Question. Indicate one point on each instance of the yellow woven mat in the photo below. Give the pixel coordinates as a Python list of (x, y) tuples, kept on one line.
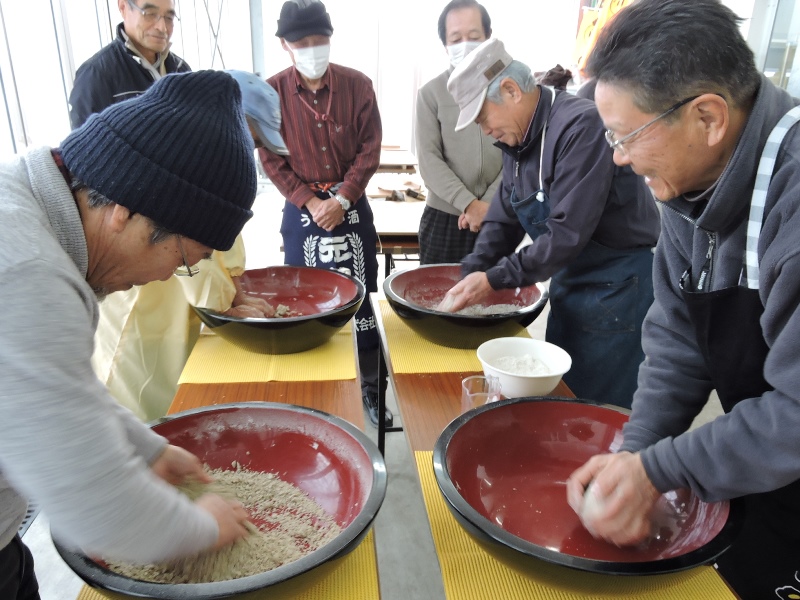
[(213, 360), (413, 354), (355, 578), (470, 573)]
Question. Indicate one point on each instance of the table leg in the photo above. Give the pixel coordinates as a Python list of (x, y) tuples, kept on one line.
[(381, 398), (387, 261)]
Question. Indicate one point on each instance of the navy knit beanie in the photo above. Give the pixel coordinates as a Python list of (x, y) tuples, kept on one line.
[(180, 154)]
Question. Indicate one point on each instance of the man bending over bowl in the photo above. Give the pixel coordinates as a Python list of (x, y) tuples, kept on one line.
[(718, 144), (593, 227), (146, 187)]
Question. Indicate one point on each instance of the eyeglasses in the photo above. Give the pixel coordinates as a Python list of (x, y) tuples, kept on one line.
[(150, 15), (617, 144), (186, 270)]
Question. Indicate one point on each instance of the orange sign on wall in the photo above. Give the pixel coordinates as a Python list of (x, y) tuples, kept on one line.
[(591, 24)]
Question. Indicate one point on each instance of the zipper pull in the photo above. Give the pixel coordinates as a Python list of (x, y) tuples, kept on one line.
[(702, 280), (516, 169)]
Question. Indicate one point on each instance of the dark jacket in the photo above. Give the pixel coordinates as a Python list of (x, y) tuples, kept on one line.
[(589, 200), (754, 447), (113, 74)]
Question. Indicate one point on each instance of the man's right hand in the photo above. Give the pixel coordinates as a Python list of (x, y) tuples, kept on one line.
[(627, 492), (230, 516), (473, 215), (470, 290)]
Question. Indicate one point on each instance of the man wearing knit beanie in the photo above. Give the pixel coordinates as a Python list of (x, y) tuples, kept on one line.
[(145, 335), (148, 186), (332, 128)]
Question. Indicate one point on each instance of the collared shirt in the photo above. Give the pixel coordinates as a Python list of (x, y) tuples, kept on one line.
[(114, 74), (157, 68), (333, 134)]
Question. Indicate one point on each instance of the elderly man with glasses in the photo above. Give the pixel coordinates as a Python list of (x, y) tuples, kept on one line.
[(145, 334), (131, 63), (685, 105), (593, 228), (124, 200)]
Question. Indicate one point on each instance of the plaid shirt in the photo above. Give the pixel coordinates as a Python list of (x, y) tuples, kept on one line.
[(333, 135)]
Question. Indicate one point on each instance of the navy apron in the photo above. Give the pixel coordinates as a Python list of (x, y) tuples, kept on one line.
[(764, 560), (597, 305), (349, 248)]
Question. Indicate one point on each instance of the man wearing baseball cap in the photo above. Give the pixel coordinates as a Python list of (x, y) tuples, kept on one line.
[(593, 227), (126, 199), (262, 110)]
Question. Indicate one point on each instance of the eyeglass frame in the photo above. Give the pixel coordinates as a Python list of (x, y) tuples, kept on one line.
[(169, 20), (186, 270), (617, 144)]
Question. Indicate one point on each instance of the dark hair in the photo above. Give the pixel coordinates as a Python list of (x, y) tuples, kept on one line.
[(486, 20), (97, 200), (558, 77), (668, 50)]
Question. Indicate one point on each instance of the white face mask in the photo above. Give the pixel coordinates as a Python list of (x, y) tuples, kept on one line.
[(312, 62), (457, 52)]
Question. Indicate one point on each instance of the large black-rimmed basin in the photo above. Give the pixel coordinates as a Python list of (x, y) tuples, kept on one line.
[(325, 299), (502, 470), (331, 460), (414, 294)]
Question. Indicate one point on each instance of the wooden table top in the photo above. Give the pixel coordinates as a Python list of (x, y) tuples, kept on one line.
[(340, 397), (428, 401)]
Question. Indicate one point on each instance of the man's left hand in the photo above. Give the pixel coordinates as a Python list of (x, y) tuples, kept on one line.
[(176, 465), (470, 290)]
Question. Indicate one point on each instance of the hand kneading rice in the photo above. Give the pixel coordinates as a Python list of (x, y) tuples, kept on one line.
[(521, 365), (291, 525), (491, 309)]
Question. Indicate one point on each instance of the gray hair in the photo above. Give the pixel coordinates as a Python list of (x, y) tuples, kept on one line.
[(519, 72), (97, 200)]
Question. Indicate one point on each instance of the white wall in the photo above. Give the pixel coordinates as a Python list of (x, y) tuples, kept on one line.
[(398, 47), (394, 43)]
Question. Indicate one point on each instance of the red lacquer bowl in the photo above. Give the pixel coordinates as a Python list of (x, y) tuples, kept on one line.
[(324, 300), (502, 470), (415, 293), (332, 461)]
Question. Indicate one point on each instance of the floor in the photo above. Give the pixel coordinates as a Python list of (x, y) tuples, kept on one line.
[(407, 561)]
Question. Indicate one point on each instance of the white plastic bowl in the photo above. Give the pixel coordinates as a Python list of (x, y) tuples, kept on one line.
[(557, 360)]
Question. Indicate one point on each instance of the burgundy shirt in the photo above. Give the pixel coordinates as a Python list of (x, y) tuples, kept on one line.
[(333, 135)]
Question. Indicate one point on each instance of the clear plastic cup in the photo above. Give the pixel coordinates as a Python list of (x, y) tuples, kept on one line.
[(479, 390)]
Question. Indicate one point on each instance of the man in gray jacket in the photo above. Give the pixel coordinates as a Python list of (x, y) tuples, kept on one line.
[(461, 169), (715, 142), (130, 197)]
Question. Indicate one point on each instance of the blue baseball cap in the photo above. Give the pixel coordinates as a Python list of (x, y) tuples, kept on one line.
[(262, 107)]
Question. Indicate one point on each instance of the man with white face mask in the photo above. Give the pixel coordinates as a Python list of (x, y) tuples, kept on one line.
[(461, 169), (332, 129)]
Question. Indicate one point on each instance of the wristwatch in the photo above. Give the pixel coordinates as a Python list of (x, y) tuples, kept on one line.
[(344, 202)]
